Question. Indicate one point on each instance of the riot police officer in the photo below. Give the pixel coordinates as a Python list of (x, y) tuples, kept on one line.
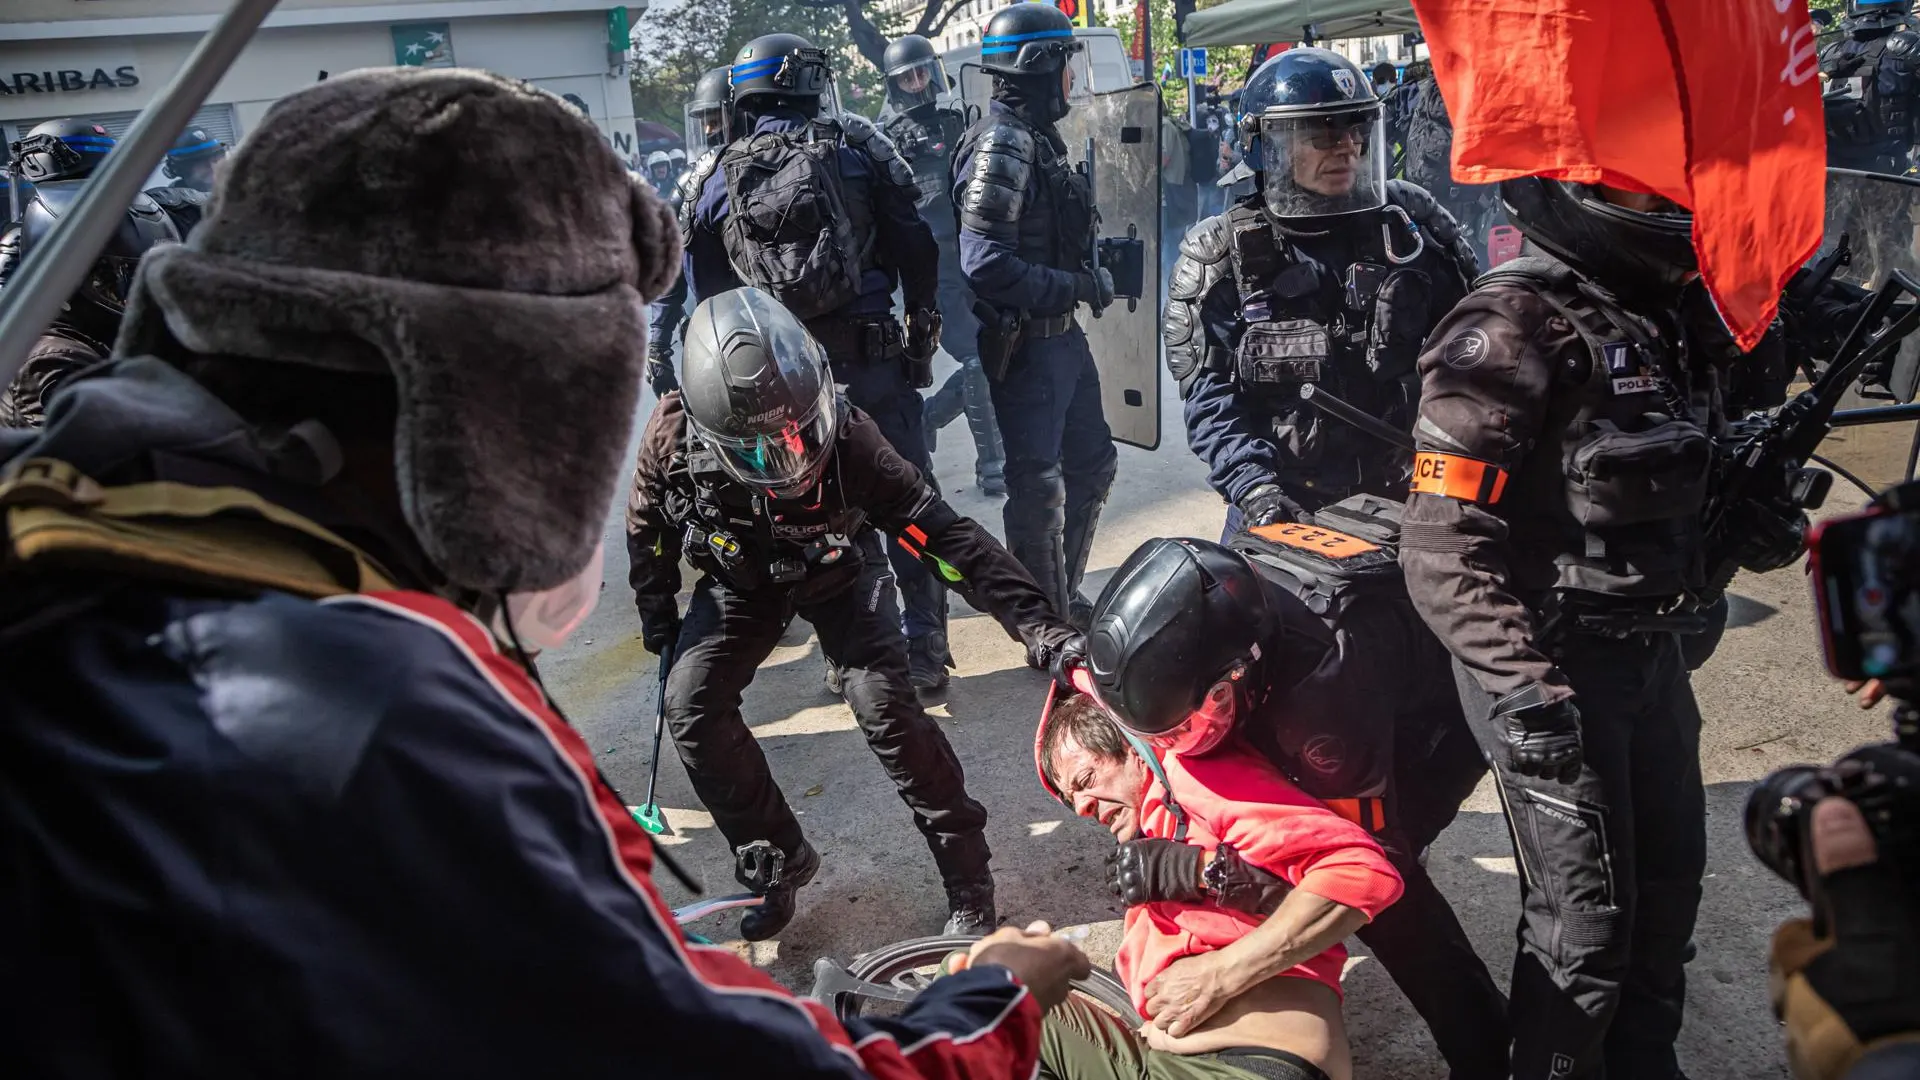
[(190, 164), (1025, 230), (817, 207), (708, 113), (82, 333), (64, 149), (1354, 700), (660, 173), (1553, 530), (769, 482), (1327, 278), (1872, 77), (926, 133)]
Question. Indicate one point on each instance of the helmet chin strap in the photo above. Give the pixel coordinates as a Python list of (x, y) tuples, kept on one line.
[(1159, 773)]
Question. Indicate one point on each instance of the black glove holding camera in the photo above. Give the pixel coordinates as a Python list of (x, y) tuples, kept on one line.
[(1846, 982)]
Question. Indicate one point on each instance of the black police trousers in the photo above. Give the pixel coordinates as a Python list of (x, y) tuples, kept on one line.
[(1610, 866), (723, 641), (1418, 939)]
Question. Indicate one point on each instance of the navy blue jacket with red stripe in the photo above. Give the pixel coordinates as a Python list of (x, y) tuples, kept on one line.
[(269, 837)]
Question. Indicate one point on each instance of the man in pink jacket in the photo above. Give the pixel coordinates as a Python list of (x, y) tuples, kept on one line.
[(1227, 993)]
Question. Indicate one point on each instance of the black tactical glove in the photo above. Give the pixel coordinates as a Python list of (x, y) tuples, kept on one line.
[(923, 333), (1268, 505), (1094, 289), (1542, 737), (659, 623), (660, 374), (1242, 886), (1150, 870), (1771, 537)]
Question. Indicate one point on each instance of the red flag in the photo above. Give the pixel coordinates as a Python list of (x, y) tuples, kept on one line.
[(1711, 103)]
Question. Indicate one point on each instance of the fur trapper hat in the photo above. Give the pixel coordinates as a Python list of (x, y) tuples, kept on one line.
[(478, 238)]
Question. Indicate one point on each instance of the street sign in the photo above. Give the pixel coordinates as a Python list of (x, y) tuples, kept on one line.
[(1193, 63)]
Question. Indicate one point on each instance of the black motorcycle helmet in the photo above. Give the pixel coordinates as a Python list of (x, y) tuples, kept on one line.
[(916, 77), (61, 150), (1175, 642), (1626, 251), (756, 389), (102, 296), (782, 71), (1870, 16), (192, 157), (1296, 112), (709, 109), (1026, 46)]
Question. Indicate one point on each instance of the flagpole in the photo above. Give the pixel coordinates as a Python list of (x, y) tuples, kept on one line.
[(52, 270)]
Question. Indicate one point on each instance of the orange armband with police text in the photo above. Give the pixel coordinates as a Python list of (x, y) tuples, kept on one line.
[(1464, 478)]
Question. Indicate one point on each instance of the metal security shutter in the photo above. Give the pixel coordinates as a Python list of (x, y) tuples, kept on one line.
[(216, 119)]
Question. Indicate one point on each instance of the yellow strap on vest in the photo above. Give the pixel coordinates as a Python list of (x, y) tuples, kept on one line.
[(216, 536)]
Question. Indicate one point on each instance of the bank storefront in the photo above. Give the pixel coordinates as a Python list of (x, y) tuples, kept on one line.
[(107, 65)]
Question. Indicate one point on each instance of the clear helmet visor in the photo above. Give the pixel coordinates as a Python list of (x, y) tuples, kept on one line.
[(1078, 71), (919, 83), (1323, 164), (705, 125), (785, 463)]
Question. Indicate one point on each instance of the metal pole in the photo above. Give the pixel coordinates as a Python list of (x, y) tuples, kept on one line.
[(51, 272)]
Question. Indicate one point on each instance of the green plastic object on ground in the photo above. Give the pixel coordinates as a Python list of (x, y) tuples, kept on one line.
[(649, 814)]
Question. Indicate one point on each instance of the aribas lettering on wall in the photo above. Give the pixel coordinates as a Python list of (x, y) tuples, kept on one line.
[(69, 81)]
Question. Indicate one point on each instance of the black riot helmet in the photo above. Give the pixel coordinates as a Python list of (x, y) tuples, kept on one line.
[(783, 71), (757, 391), (192, 157), (61, 150), (916, 77), (1026, 47), (1175, 641), (1309, 125), (709, 109), (1870, 16), (1626, 251), (96, 306)]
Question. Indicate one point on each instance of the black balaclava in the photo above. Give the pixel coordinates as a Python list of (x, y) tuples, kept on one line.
[(1036, 99)]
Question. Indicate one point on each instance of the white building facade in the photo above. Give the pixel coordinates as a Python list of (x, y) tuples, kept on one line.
[(105, 59)]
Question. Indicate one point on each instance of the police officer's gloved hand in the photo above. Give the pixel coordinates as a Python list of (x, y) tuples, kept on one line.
[(1150, 870), (659, 623), (660, 374), (1268, 505), (1094, 289), (1059, 653), (1238, 884), (1853, 992), (1541, 736), (923, 333)]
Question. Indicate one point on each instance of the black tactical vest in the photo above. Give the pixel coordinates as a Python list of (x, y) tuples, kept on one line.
[(1351, 331), (1871, 96), (752, 542), (1609, 500)]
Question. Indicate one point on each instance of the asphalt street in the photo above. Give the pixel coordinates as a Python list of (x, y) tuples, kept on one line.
[(1767, 702)]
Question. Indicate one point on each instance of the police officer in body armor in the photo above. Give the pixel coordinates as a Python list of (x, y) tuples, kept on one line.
[(770, 484), (817, 208), (190, 164), (1357, 706), (1553, 530), (708, 113), (54, 150), (926, 134), (1872, 77), (1329, 276), (1025, 227)]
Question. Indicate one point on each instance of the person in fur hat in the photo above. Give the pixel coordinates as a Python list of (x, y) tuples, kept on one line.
[(280, 792)]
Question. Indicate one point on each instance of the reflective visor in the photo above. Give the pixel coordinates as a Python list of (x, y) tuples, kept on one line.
[(1207, 726), (785, 463), (1322, 164)]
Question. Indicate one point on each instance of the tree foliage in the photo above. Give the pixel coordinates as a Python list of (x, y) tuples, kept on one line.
[(677, 41), (1226, 65)]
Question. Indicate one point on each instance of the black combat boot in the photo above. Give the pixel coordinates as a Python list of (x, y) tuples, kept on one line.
[(970, 907), (777, 884), (927, 662)]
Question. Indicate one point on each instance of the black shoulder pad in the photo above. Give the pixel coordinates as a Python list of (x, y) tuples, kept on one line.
[(1438, 222), (996, 183), (1905, 45)]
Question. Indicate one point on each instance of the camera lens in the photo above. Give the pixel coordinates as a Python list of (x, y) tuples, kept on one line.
[(1776, 814)]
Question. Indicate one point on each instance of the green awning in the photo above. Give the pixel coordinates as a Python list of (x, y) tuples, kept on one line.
[(1257, 22)]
